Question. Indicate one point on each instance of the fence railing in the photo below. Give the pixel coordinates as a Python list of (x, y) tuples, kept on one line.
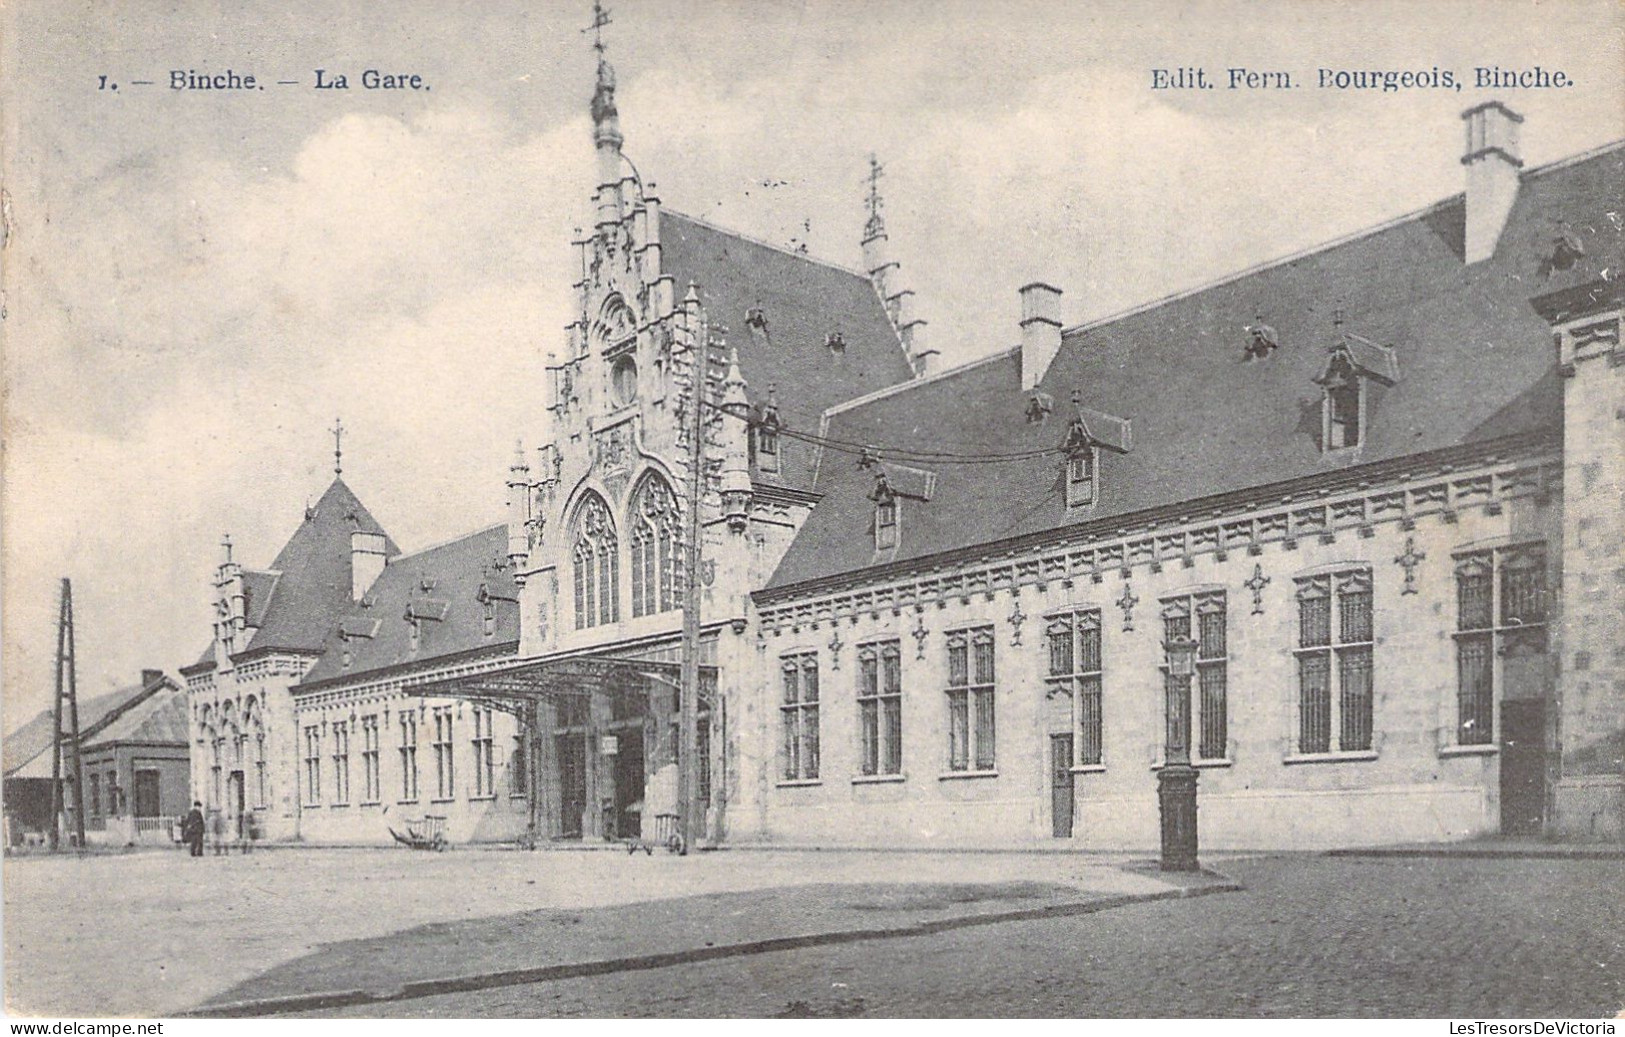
[(155, 829)]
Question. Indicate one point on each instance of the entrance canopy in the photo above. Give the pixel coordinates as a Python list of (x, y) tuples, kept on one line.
[(548, 680)]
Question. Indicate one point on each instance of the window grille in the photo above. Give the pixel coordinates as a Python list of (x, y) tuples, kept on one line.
[(798, 715), (313, 766), (656, 547), (371, 792), (597, 565), (971, 680), (484, 756), (341, 763), (1495, 617), (886, 523), (1211, 734), (1080, 477), (1075, 668), (880, 707), (409, 755), (445, 783), (1334, 667)]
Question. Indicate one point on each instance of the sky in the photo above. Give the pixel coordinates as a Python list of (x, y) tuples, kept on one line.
[(196, 283)]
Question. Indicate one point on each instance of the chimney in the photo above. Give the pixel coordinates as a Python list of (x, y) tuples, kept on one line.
[(367, 559), (151, 677), (1492, 162), (1040, 331)]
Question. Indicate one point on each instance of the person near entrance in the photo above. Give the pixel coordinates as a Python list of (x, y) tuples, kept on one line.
[(192, 829), (217, 830)]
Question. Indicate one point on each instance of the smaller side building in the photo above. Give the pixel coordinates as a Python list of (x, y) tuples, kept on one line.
[(134, 759), (137, 772)]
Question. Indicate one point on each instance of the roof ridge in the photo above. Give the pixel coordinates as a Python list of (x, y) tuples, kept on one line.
[(764, 243), (446, 543), (1325, 246), (892, 390)]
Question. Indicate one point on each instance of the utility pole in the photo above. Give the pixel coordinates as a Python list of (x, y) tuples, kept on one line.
[(67, 684), (688, 694)]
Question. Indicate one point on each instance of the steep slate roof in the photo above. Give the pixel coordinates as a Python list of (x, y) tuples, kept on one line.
[(376, 631), (161, 718), (803, 300), (31, 743), (1475, 362), (295, 602), (312, 585)]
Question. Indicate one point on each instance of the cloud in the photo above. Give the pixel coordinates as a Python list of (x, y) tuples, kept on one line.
[(184, 350)]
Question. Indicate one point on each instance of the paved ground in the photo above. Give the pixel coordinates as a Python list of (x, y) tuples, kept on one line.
[(1390, 937), (156, 933)]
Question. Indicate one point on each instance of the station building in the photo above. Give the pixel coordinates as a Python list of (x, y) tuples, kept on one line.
[(1378, 483)]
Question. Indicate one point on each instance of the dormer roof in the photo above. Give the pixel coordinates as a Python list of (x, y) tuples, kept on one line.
[(1207, 422), (448, 592)]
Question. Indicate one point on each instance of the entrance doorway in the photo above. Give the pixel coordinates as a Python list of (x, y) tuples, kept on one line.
[(572, 757), (1060, 785), (146, 793), (1523, 766), (629, 783), (234, 801)]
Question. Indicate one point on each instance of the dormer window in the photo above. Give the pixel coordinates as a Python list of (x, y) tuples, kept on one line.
[(767, 448), (1080, 476), (885, 523), (893, 482), (1344, 403), (1086, 434), (1353, 366), (767, 434)]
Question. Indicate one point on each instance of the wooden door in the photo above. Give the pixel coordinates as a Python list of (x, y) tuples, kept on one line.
[(146, 793), (1060, 785), (1523, 766), (572, 754)]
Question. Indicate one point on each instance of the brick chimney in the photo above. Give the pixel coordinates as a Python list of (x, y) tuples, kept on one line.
[(1040, 331), (1493, 163)]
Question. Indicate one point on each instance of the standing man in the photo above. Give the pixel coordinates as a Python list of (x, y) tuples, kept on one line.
[(192, 829)]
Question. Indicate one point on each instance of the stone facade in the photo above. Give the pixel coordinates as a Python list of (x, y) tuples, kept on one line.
[(1403, 606)]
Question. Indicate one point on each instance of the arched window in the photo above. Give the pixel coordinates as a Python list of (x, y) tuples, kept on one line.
[(597, 565), (254, 738), (656, 547)]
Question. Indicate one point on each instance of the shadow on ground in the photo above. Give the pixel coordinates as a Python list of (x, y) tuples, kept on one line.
[(383, 966)]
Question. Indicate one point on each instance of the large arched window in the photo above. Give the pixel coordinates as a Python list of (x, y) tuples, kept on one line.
[(597, 566), (656, 547)]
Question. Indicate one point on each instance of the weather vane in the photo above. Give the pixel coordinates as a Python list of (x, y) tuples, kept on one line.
[(338, 445), (875, 224), (600, 18)]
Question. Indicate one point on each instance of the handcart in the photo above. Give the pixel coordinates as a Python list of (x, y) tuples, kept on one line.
[(428, 833), (666, 834)]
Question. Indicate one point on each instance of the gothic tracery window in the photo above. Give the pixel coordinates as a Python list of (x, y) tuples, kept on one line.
[(597, 565), (656, 521)]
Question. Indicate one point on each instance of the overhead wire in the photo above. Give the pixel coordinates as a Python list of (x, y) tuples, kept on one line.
[(881, 452)]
